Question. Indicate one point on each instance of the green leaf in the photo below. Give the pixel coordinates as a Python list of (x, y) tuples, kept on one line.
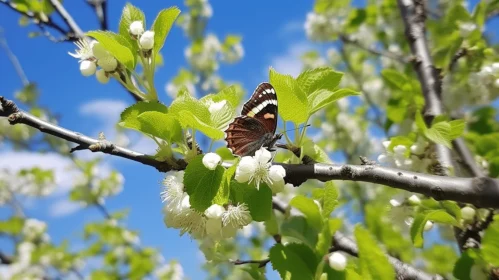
[(373, 262), (324, 241), (298, 228), (438, 216), (271, 226), (479, 14), (230, 94), (289, 263), (162, 125), (462, 268), (322, 98), (259, 201), (308, 207), (188, 119), (456, 128), (222, 196), (129, 117), (130, 14), (490, 243), (12, 226), (330, 199), (292, 100), (162, 25), (420, 122), (117, 46), (395, 78), (323, 78), (201, 183), (439, 133), (452, 208)]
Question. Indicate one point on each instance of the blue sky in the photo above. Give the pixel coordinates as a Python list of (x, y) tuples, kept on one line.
[(272, 36)]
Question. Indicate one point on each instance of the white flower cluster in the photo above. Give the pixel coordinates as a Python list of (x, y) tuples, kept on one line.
[(172, 271), (92, 54), (216, 222), (232, 54), (25, 183), (401, 158), (321, 27), (259, 169), (35, 230), (23, 267), (201, 9), (203, 59), (145, 38)]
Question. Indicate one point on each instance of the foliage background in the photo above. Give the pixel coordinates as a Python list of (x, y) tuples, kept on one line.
[(273, 35)]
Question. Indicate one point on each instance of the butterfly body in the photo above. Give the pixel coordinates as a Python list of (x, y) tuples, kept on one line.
[(256, 126)]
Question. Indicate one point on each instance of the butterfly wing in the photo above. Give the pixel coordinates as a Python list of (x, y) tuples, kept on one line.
[(257, 125)]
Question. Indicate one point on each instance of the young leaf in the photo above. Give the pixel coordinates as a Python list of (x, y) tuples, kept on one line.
[(456, 128), (271, 226), (330, 199), (201, 183), (490, 243), (322, 98), (439, 133), (462, 268), (162, 125), (420, 122), (297, 228), (308, 207), (129, 115), (116, 45), (395, 78), (417, 228), (373, 262), (230, 94), (323, 78), (259, 201), (162, 25), (289, 263), (293, 102), (324, 241), (188, 119), (222, 196), (130, 14)]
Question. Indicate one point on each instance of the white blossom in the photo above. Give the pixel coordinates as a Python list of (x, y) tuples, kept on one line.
[(137, 28), (236, 216), (33, 229), (211, 160), (84, 51), (99, 51), (337, 261), (414, 200), (146, 41), (102, 76), (428, 225), (173, 191), (87, 68), (254, 169), (320, 27)]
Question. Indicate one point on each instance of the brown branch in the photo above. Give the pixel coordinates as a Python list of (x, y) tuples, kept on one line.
[(462, 52), (261, 263), (100, 8)]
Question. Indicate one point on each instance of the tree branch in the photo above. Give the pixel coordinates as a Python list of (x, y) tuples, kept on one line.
[(261, 263), (414, 16), (403, 270), (479, 191), (75, 29), (352, 41), (100, 8), (16, 116)]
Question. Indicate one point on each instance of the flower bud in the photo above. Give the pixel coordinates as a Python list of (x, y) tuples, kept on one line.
[(102, 76), (468, 213), (211, 160), (277, 173), (108, 63), (98, 50), (214, 212), (414, 200), (146, 41), (337, 261), (428, 225), (136, 28), (87, 68)]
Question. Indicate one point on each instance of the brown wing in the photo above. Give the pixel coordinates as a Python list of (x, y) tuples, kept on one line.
[(246, 135)]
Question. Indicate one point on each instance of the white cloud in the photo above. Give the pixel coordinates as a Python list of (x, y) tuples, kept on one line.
[(63, 175), (63, 207), (292, 27), (289, 62), (106, 109)]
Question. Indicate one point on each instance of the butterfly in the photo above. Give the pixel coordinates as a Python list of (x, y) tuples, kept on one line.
[(256, 126)]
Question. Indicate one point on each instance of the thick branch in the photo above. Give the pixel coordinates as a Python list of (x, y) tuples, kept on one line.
[(479, 191), (16, 116), (413, 15), (403, 270)]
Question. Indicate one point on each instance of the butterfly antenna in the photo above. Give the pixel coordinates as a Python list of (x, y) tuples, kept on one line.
[(303, 126)]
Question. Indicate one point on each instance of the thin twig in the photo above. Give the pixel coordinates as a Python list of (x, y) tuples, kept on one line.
[(75, 29), (347, 39), (100, 8), (13, 59), (462, 52), (261, 263)]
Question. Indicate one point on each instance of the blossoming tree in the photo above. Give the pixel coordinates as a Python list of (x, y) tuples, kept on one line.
[(405, 96)]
